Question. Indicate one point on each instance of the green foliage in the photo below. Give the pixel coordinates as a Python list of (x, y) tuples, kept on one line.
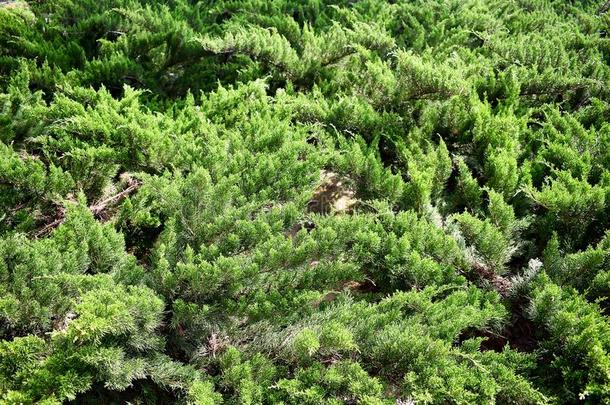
[(340, 382), (587, 271), (490, 244), (202, 393), (579, 341), (304, 201), (113, 340), (412, 334), (571, 206)]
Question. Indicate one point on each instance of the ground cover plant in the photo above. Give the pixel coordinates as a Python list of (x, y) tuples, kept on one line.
[(305, 202)]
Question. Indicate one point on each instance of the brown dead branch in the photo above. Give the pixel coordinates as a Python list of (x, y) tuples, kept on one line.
[(501, 284), (99, 209)]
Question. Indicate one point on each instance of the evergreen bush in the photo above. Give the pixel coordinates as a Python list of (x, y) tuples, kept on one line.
[(304, 202)]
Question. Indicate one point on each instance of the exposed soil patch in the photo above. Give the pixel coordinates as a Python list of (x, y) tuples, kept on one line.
[(13, 4), (334, 195), (358, 287)]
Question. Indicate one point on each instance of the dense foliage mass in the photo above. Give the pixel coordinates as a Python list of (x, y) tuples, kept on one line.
[(305, 202)]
